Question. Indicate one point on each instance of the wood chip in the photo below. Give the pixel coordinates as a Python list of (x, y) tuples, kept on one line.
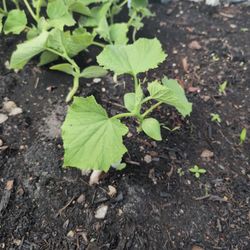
[(194, 45), (185, 64), (112, 191), (207, 154)]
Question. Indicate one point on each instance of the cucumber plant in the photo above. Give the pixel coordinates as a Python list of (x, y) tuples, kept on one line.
[(64, 28), (92, 139)]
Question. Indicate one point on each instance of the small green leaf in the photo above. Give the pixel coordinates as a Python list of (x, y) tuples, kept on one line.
[(243, 135), (129, 101), (56, 9), (93, 71), (47, 57), (64, 67), (91, 139), (118, 33), (142, 55), (222, 87), (80, 7), (27, 50), (197, 171), (152, 128), (170, 92), (16, 22)]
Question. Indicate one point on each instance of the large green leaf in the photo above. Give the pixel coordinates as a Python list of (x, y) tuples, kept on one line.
[(16, 22), (27, 50), (170, 92), (91, 139), (132, 59)]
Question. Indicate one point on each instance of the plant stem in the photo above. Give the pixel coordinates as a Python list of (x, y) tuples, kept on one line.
[(38, 9), (74, 89), (98, 44), (5, 6), (30, 10), (123, 3), (146, 99), (151, 109), (135, 81), (123, 115)]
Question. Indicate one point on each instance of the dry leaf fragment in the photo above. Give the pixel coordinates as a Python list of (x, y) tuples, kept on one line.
[(185, 64), (207, 154), (194, 45)]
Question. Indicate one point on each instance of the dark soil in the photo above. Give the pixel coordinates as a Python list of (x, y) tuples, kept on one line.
[(155, 207)]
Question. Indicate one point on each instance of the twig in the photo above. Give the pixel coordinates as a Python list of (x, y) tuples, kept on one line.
[(63, 208)]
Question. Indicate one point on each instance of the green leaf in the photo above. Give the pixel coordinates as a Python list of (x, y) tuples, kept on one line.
[(93, 71), (1, 22), (129, 101), (142, 55), (132, 101), (56, 9), (170, 92), (152, 128), (47, 57), (59, 15), (243, 135), (64, 67), (27, 50), (91, 139), (98, 13), (139, 4), (80, 7), (118, 33), (16, 22)]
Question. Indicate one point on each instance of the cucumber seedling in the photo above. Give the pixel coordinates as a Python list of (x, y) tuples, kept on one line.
[(94, 140)]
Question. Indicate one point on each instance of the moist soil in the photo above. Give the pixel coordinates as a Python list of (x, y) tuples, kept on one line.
[(159, 204)]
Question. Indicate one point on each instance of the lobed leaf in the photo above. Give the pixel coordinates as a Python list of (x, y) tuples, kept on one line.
[(91, 139), (142, 55), (170, 92), (16, 22)]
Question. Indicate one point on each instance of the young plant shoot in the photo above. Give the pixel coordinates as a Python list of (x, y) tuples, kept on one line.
[(92, 139)]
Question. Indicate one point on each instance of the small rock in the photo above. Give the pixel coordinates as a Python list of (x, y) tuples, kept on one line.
[(81, 199), (1, 143), (207, 154), (147, 158), (8, 106), (96, 80), (17, 242), (101, 212), (16, 111), (3, 118), (112, 191), (71, 234)]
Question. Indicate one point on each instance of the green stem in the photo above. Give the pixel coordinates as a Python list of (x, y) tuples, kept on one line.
[(98, 44), (123, 115), (30, 10), (146, 99), (38, 9), (151, 109), (122, 4), (74, 89), (5, 6), (135, 81)]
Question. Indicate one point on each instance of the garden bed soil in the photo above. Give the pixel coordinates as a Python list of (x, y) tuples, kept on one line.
[(155, 207)]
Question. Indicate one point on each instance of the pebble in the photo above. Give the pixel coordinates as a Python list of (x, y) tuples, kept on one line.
[(147, 158), (81, 199), (112, 191), (101, 212), (3, 118), (96, 80), (1, 143), (8, 106), (16, 111), (71, 234)]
